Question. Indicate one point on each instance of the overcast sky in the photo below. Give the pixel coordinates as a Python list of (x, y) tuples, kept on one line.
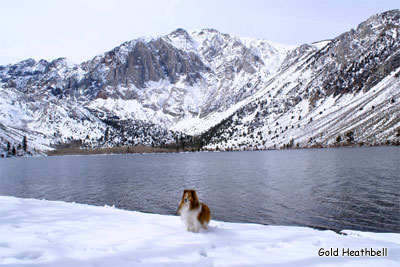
[(79, 30)]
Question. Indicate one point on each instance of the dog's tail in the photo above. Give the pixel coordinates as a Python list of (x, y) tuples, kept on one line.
[(204, 215)]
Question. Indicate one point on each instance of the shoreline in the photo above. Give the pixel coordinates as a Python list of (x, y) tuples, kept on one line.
[(314, 227), (56, 233), (124, 150)]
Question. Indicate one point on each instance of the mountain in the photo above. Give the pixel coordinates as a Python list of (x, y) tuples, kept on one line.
[(346, 92), (230, 92)]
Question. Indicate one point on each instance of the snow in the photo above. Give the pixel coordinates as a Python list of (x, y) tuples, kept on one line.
[(321, 44), (52, 233), (180, 41)]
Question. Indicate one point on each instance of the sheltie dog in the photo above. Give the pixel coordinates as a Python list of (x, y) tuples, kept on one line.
[(194, 214)]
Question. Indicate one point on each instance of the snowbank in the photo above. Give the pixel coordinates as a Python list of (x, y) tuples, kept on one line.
[(52, 233)]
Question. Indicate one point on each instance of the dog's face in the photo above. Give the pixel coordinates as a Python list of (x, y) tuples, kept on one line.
[(190, 198)]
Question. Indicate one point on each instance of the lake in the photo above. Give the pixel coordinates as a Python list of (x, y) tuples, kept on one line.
[(341, 188)]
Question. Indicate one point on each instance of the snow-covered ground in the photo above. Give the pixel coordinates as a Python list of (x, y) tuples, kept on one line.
[(52, 233)]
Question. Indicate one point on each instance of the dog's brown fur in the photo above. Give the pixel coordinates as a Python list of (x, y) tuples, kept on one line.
[(204, 215)]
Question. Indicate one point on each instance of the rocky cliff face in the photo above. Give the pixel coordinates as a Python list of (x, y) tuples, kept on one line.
[(239, 93), (139, 62)]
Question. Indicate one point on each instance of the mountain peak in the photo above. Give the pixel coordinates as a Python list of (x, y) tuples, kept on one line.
[(180, 33), (393, 14), (27, 62), (209, 31), (391, 17)]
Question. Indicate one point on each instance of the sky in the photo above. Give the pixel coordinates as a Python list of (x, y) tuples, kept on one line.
[(79, 30)]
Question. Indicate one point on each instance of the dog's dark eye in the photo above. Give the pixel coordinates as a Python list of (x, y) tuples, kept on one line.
[(186, 200)]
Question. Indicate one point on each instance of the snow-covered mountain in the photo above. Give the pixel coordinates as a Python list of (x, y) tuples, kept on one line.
[(346, 92), (232, 92)]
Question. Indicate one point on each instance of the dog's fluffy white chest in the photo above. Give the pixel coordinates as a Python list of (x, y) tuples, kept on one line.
[(189, 218)]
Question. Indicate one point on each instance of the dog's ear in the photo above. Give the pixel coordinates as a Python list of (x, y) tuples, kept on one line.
[(195, 198)]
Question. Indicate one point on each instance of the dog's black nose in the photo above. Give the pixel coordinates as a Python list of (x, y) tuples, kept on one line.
[(186, 200)]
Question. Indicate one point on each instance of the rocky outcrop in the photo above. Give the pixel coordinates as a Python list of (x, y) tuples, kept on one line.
[(153, 61), (361, 58)]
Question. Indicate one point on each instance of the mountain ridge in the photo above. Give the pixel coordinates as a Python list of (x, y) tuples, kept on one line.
[(224, 89)]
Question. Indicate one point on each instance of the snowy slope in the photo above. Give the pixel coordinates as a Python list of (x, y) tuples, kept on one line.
[(53, 233), (345, 93), (372, 117)]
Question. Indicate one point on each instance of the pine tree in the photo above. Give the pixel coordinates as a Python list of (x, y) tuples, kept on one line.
[(14, 151), (8, 147), (25, 143), (106, 134), (350, 136)]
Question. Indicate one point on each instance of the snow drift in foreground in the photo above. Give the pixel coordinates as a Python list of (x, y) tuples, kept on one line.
[(52, 233)]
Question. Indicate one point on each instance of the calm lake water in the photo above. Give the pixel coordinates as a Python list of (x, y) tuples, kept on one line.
[(345, 188)]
